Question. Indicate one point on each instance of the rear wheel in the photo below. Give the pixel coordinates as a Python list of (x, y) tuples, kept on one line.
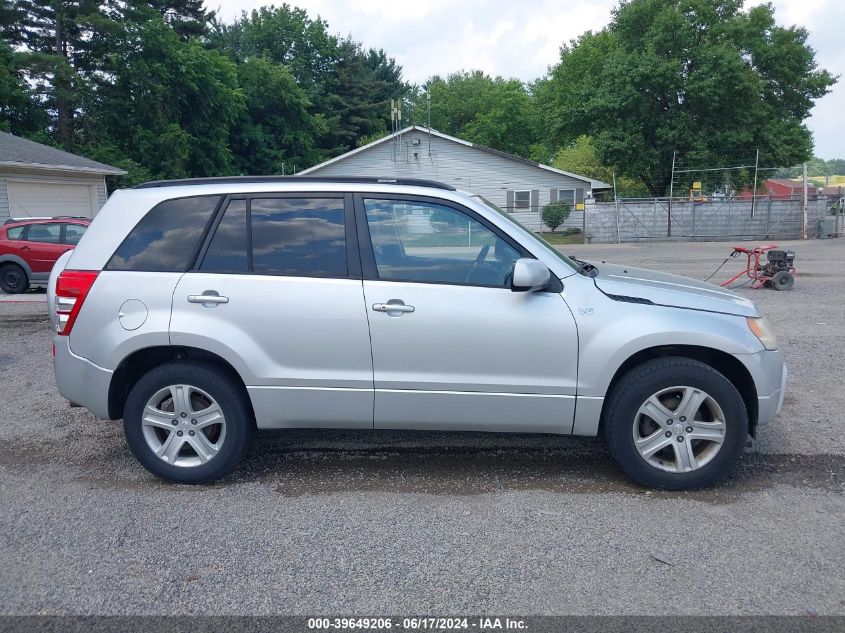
[(188, 422), (675, 423), (13, 279)]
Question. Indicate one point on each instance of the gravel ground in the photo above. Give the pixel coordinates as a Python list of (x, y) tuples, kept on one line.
[(367, 523)]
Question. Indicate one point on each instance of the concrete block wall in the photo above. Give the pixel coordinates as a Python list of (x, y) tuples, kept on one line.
[(726, 219)]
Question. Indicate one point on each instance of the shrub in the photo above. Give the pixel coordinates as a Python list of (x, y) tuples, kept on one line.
[(555, 214)]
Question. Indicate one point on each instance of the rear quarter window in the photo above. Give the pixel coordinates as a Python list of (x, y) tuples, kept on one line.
[(15, 232), (167, 238)]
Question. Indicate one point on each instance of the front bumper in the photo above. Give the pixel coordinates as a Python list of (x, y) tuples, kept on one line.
[(79, 380), (770, 374), (769, 407)]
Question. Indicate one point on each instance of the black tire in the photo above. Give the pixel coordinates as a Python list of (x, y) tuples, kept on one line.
[(13, 279), (225, 389), (782, 280), (651, 377)]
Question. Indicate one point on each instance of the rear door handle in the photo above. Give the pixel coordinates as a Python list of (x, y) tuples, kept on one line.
[(394, 305), (208, 299)]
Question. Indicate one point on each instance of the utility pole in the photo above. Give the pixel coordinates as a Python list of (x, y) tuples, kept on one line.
[(754, 190), (804, 207), (615, 203), (671, 190)]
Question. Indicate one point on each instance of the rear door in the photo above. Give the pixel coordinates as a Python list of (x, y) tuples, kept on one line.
[(453, 347), (277, 289), (42, 246), (72, 233)]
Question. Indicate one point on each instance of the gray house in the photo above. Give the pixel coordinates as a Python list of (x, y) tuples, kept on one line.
[(41, 181), (520, 186)]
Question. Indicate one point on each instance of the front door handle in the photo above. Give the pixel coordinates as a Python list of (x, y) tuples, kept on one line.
[(396, 306), (208, 299)]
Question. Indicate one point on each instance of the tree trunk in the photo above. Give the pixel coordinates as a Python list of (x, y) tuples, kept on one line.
[(61, 84)]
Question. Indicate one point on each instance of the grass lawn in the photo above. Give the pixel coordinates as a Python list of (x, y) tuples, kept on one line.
[(558, 239)]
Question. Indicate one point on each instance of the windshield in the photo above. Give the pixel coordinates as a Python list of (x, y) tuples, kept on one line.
[(564, 258)]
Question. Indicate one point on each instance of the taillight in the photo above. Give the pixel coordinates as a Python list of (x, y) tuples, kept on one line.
[(72, 287)]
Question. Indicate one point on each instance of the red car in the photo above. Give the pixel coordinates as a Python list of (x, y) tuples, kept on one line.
[(29, 248)]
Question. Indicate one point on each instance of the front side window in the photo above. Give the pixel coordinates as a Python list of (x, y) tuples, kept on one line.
[(432, 243), (522, 199), (165, 239), (73, 233), (299, 236), (44, 233)]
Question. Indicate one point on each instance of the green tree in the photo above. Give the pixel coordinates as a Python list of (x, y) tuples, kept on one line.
[(494, 112), (20, 111), (171, 104), (581, 157), (555, 214), (703, 78), (275, 132), (348, 87)]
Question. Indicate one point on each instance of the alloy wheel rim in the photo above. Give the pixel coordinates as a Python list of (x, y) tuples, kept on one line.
[(679, 429), (183, 426)]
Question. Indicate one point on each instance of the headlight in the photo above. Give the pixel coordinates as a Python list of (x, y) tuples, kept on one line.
[(763, 331)]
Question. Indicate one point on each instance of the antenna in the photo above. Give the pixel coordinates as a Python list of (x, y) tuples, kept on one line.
[(393, 126), (428, 104), (399, 125)]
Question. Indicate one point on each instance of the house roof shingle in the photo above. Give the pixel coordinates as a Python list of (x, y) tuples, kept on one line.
[(20, 152), (596, 185)]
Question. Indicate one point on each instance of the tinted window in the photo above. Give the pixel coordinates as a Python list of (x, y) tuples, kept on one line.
[(420, 241), (46, 233), (15, 232), (298, 236), (167, 237), (227, 252), (73, 233)]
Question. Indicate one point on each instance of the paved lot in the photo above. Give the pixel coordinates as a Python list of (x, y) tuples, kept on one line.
[(430, 523)]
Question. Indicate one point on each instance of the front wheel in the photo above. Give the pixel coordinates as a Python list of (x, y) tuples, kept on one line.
[(783, 280), (675, 423), (188, 422)]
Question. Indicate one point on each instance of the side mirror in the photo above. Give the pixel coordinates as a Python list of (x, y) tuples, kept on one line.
[(529, 275)]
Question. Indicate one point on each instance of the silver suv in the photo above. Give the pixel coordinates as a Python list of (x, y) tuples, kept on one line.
[(200, 310)]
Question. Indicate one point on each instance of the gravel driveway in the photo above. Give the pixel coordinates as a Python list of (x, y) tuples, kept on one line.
[(382, 522)]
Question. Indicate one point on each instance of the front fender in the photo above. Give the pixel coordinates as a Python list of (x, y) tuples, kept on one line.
[(614, 331)]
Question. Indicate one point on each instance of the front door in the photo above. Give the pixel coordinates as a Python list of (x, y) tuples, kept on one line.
[(453, 347), (278, 289)]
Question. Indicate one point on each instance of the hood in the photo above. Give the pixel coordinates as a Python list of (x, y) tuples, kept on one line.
[(671, 290)]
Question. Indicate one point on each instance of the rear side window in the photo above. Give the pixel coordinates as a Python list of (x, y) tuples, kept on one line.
[(73, 233), (227, 252), (167, 238), (299, 236), (15, 232), (44, 233)]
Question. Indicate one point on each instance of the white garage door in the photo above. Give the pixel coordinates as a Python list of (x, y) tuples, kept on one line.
[(49, 199)]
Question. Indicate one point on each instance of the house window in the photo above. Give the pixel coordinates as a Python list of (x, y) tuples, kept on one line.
[(522, 199), (567, 196)]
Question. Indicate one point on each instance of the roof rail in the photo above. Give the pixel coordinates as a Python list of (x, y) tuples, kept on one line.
[(234, 180)]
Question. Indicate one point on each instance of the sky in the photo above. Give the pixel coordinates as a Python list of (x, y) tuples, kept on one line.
[(522, 38)]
